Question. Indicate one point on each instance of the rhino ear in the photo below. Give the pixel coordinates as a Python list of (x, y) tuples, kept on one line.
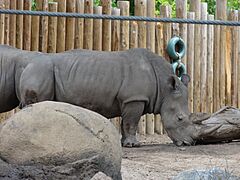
[(175, 82), (185, 79)]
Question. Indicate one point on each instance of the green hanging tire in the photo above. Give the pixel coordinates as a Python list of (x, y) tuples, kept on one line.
[(176, 48), (179, 69)]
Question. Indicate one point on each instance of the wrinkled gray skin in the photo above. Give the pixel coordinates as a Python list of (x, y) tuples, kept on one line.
[(12, 63), (127, 84)]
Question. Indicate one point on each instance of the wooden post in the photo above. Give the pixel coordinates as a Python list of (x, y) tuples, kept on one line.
[(158, 126), (210, 65), (12, 29), (61, 26), (7, 23), (42, 5), (35, 29), (151, 26), (19, 26), (159, 39), (27, 26), (70, 25), (221, 15), (195, 6), (150, 45), (79, 25), (2, 23), (216, 66), (116, 47), (203, 76), (52, 28), (141, 10), (115, 31), (106, 4), (133, 34), (88, 26), (229, 63), (165, 12), (181, 12), (2, 35), (190, 58), (232, 54), (35, 33), (124, 9), (238, 78), (97, 30), (175, 29)]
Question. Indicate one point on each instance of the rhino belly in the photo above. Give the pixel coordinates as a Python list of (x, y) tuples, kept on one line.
[(90, 85)]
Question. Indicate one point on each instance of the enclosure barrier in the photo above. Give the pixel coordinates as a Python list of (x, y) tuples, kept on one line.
[(212, 52)]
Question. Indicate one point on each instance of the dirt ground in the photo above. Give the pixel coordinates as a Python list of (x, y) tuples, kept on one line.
[(159, 159)]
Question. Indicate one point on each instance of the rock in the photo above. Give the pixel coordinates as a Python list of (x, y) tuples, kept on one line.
[(213, 174), (101, 176), (59, 140)]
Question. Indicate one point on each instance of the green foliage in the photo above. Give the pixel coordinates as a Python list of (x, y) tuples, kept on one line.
[(98, 3), (166, 2), (211, 6), (33, 5), (232, 4)]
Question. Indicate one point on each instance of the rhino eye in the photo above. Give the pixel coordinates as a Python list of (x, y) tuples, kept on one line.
[(180, 117)]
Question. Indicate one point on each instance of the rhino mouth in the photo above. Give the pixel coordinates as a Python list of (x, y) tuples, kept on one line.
[(186, 141)]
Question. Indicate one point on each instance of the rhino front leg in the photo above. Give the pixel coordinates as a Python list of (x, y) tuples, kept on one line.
[(131, 114)]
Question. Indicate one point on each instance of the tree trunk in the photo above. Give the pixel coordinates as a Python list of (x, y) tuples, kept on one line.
[(221, 126)]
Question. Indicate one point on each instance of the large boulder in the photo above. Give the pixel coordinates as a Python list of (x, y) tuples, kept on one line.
[(205, 174), (59, 140)]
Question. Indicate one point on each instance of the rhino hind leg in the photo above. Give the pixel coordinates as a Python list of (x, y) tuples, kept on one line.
[(131, 114)]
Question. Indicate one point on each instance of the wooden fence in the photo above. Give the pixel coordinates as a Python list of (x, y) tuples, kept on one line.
[(212, 57)]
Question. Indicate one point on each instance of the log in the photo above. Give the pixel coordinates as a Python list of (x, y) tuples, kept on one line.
[(221, 126)]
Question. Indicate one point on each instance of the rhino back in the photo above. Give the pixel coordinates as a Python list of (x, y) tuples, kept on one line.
[(102, 81)]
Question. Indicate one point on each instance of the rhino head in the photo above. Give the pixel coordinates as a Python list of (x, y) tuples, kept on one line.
[(175, 112)]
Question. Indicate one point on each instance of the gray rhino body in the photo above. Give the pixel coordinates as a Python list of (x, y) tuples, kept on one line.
[(12, 63), (126, 83)]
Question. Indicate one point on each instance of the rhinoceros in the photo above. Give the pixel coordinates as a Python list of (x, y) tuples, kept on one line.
[(12, 63), (126, 83)]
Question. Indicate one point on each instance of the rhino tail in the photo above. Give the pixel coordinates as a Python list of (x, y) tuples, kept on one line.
[(30, 97)]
